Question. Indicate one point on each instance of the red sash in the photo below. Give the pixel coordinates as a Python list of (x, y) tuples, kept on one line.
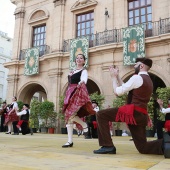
[(125, 114)]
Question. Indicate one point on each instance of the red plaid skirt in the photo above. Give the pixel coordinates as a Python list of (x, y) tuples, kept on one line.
[(11, 118), (77, 100)]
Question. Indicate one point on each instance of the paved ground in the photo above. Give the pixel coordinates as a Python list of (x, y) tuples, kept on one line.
[(44, 152)]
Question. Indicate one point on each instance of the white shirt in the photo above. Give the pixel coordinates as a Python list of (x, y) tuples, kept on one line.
[(133, 83), (23, 112), (164, 111), (15, 105), (96, 109)]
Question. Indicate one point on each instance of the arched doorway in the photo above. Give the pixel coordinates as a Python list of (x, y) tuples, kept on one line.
[(33, 90), (92, 87)]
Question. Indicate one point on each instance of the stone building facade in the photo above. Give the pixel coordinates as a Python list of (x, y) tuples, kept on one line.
[(63, 20)]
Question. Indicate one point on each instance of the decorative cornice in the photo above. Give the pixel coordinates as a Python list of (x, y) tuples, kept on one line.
[(81, 4), (59, 2), (19, 12), (12, 78), (15, 2), (55, 73)]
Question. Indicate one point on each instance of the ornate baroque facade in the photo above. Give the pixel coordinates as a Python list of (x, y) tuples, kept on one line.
[(60, 20)]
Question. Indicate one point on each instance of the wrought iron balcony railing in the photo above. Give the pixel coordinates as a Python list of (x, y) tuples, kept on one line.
[(116, 35), (43, 49)]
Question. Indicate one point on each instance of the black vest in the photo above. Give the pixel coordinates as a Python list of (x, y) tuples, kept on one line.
[(26, 116), (75, 78)]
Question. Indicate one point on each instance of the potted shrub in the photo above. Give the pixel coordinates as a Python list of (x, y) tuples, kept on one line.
[(163, 94), (46, 108), (117, 102), (52, 122), (20, 105), (34, 113)]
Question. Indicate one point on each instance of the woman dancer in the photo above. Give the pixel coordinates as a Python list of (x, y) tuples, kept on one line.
[(11, 115), (77, 102)]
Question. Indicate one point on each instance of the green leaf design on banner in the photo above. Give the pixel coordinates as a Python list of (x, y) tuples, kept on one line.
[(31, 61), (78, 46), (133, 44)]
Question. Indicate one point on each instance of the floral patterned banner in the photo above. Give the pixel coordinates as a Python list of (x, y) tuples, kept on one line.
[(133, 44), (31, 61), (78, 46)]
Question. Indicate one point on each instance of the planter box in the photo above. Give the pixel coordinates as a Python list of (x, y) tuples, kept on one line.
[(150, 133), (34, 130), (63, 130), (118, 132), (44, 129), (51, 130)]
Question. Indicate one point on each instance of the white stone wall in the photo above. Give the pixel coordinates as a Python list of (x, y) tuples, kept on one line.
[(5, 56)]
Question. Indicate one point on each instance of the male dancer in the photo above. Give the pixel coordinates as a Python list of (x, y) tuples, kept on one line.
[(135, 114)]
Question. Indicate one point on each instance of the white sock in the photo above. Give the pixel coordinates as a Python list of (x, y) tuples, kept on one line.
[(70, 132), (83, 124), (10, 127), (111, 133)]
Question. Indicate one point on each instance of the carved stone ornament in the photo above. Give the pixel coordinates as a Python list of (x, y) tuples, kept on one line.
[(59, 2), (80, 4), (19, 12), (15, 2)]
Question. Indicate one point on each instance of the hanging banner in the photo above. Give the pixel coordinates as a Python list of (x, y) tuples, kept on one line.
[(133, 44), (31, 61), (78, 46)]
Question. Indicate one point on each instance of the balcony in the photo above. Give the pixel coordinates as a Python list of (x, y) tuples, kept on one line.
[(43, 49), (116, 35)]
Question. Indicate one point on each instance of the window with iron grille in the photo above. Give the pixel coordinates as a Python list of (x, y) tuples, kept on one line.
[(39, 37), (140, 11), (85, 24)]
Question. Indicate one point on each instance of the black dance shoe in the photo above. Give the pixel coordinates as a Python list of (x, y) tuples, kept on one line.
[(8, 133), (67, 145), (105, 150), (166, 145), (79, 133)]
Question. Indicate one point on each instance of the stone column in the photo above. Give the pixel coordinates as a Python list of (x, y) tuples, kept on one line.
[(19, 20), (55, 84), (12, 83), (58, 25)]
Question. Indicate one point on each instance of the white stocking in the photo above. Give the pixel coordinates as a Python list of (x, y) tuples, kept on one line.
[(70, 132), (9, 126), (83, 124), (111, 133)]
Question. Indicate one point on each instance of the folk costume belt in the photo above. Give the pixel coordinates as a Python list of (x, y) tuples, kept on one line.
[(125, 113)]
